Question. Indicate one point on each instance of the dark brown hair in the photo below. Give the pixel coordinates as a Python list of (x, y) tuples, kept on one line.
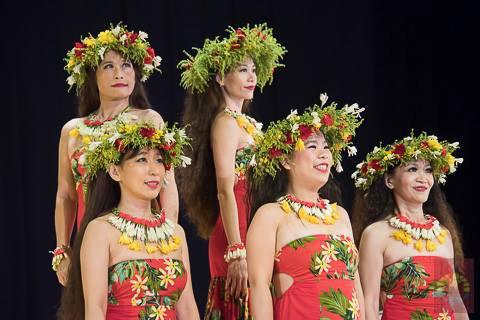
[(377, 203), (197, 182), (89, 97), (269, 189), (103, 195)]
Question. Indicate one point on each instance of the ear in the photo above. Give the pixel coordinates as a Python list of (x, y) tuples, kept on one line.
[(286, 163), (114, 173), (388, 181), (219, 80)]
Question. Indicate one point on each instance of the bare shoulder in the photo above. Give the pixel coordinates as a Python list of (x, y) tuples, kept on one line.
[(269, 213), (377, 230), (343, 213), (222, 119), (149, 115), (99, 228), (179, 231), (70, 125)]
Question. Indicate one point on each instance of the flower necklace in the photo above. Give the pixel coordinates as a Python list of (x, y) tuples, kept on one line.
[(155, 234), (313, 212), (92, 128), (407, 230), (250, 125)]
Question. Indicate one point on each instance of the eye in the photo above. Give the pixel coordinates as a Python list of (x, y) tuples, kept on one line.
[(159, 160), (108, 66), (412, 169), (127, 65), (429, 170), (311, 146), (243, 69), (254, 70), (142, 159)]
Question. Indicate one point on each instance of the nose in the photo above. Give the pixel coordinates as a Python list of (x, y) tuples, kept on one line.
[(252, 76), (118, 73)]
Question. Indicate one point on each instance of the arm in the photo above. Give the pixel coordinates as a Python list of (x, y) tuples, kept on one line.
[(261, 240), (371, 264), (94, 258), (186, 306), (358, 285), (65, 201), (224, 137)]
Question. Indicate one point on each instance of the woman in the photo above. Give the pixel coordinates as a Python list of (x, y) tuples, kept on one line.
[(221, 79), (107, 71), (129, 261), (409, 239), (300, 240)]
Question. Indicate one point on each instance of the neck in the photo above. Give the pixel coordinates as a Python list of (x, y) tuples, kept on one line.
[(111, 108), (135, 207), (303, 193), (232, 103), (413, 211)]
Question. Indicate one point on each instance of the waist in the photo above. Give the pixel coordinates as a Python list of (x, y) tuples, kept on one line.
[(129, 312)]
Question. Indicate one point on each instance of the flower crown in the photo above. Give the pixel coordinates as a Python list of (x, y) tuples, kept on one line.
[(437, 153), (284, 137), (100, 154), (220, 56), (89, 52)]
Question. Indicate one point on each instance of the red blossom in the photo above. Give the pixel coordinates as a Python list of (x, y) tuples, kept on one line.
[(348, 138), (444, 152), (424, 144), (305, 131), (240, 34), (147, 132), (274, 152), (445, 169), (235, 46), (288, 138), (399, 150), (167, 166), (79, 49), (131, 37), (119, 145), (375, 164), (149, 57), (327, 120), (364, 168), (169, 146)]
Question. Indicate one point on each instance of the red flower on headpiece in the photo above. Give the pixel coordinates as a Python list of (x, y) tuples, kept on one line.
[(167, 165), (274, 152), (327, 120), (444, 152), (147, 132), (169, 146), (305, 131), (364, 168), (149, 57), (131, 37), (375, 164), (445, 169), (79, 49), (240, 34), (235, 46), (288, 138), (424, 144), (399, 150), (119, 145)]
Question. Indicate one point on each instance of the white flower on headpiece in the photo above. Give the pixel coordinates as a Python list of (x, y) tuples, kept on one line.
[(169, 137), (77, 68), (101, 52), (454, 145), (376, 149), (442, 179), (360, 181), (116, 31), (181, 133), (338, 167), (293, 113), (316, 119), (360, 165), (148, 67), (142, 35), (432, 137), (459, 160), (92, 146), (258, 125), (253, 163), (416, 153), (323, 98), (114, 138), (71, 80), (156, 61), (123, 38), (351, 150), (81, 159), (354, 109), (295, 127), (144, 78), (407, 138), (354, 175), (186, 161)]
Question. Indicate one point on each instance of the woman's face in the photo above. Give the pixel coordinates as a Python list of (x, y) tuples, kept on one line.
[(312, 165), (240, 83), (115, 77), (141, 176), (412, 182)]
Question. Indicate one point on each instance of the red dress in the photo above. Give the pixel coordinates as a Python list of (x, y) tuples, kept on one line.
[(323, 270), (219, 303), (417, 288), (80, 185), (145, 289)]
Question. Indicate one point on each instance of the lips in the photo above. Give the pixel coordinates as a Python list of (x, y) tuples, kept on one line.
[(250, 88), (119, 85), (152, 184), (322, 167), (420, 188)]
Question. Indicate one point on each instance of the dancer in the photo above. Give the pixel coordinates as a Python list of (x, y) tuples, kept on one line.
[(409, 239), (300, 239), (107, 71), (129, 261), (221, 79)]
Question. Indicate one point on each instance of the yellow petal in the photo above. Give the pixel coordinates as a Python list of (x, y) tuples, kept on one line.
[(299, 146), (302, 213), (431, 246), (124, 239), (86, 140), (74, 133), (419, 245), (441, 239), (151, 248), (286, 207), (329, 220)]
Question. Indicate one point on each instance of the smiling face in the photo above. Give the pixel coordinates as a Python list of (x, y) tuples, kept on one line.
[(411, 183), (115, 77), (311, 165), (240, 83), (141, 176)]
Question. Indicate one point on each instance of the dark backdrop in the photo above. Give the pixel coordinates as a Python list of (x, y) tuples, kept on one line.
[(410, 63)]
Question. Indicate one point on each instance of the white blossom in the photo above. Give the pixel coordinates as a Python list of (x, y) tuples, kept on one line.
[(142, 35), (338, 167), (323, 98), (101, 52), (454, 145), (116, 31), (169, 137), (77, 68), (253, 163), (71, 80), (292, 114), (351, 151), (186, 161)]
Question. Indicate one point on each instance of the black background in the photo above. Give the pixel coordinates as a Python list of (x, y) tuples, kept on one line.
[(410, 63)]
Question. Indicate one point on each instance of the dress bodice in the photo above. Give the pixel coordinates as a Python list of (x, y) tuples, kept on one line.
[(145, 289)]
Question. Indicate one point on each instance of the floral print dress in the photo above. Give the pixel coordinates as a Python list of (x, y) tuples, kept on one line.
[(323, 270), (145, 289), (417, 289)]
